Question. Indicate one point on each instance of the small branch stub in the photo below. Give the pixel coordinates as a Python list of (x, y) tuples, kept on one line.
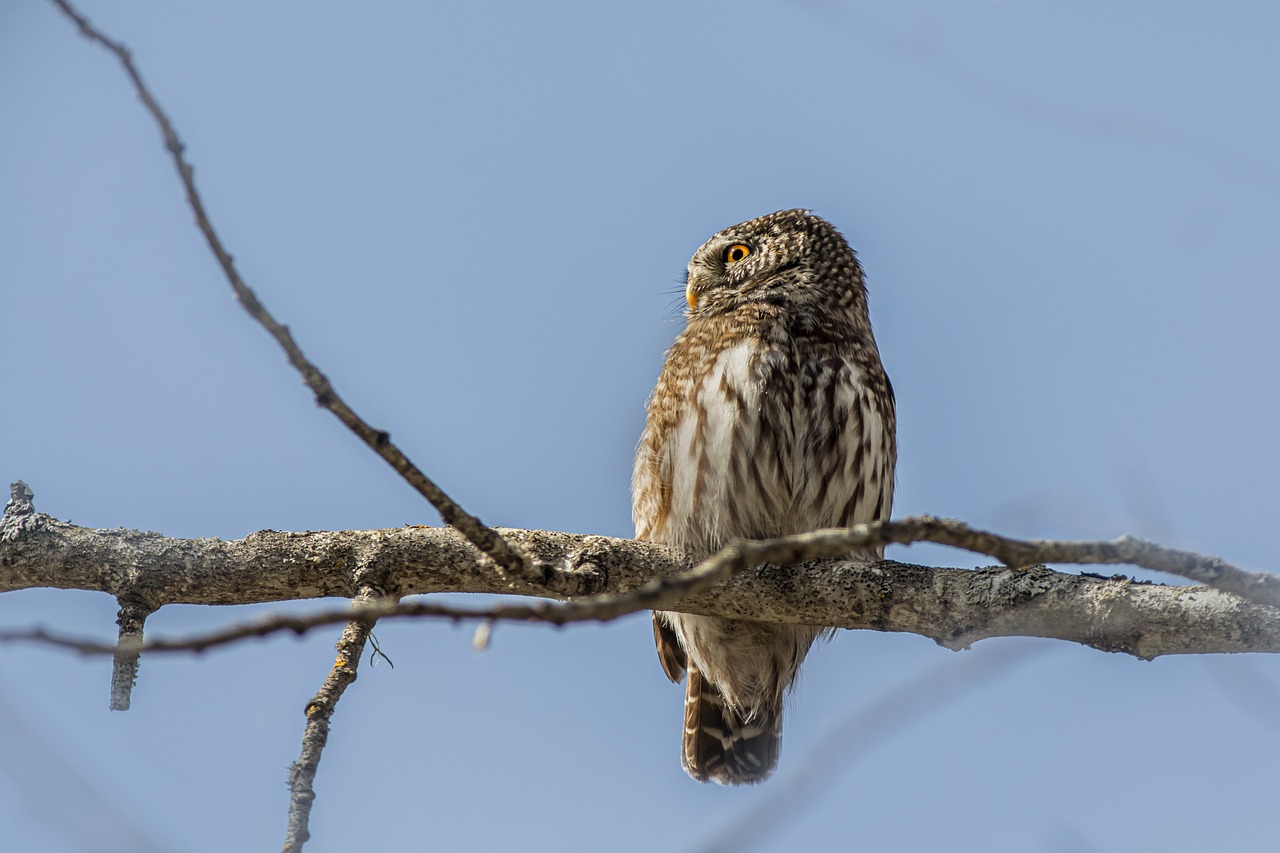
[(20, 516), (20, 500), (124, 670)]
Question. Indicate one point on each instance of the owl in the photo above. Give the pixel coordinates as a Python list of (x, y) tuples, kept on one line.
[(772, 415)]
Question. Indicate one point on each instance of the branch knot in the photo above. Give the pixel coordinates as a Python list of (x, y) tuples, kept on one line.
[(20, 500)]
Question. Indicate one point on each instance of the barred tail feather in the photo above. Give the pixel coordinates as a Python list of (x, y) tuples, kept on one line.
[(720, 745)]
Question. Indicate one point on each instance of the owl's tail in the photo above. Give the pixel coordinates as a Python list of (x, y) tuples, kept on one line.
[(720, 744)]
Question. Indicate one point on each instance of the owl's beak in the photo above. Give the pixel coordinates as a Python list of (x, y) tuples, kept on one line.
[(696, 282)]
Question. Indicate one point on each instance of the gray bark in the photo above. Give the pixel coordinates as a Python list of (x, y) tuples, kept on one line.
[(953, 606)]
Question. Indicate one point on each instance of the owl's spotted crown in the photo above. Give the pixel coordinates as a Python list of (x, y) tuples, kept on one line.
[(790, 257)]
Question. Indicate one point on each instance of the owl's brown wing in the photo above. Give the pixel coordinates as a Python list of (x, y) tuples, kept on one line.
[(670, 652)]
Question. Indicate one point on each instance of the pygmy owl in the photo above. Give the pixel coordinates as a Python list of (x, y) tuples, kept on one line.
[(773, 415)]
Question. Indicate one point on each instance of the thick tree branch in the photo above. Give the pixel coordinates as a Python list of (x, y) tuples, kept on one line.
[(955, 607)]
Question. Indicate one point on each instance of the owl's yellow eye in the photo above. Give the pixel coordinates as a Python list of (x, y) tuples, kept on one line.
[(736, 252)]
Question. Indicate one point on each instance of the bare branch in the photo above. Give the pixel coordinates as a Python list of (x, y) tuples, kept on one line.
[(1261, 588), (316, 733), (955, 607), (480, 535)]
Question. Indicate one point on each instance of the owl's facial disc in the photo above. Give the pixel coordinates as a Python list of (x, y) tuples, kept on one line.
[(710, 265)]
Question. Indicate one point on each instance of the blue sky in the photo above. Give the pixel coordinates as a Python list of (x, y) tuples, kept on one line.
[(475, 218)]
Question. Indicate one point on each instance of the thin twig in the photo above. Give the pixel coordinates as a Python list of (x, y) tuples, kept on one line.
[(1258, 587), (342, 674), (483, 537)]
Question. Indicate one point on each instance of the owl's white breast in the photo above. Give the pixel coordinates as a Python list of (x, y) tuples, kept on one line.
[(705, 451), (756, 454)]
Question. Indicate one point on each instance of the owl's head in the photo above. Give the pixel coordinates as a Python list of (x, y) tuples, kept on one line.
[(790, 259)]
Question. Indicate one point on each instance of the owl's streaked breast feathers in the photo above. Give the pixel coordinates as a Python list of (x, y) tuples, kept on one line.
[(772, 415)]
